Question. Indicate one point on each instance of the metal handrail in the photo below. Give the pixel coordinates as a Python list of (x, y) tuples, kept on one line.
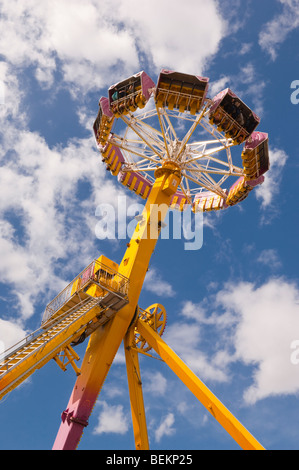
[(95, 272), (41, 330)]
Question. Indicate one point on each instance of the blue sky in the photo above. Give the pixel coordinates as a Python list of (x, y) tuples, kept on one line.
[(232, 306)]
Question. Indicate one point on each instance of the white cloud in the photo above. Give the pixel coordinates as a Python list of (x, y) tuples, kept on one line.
[(245, 48), (154, 283), (275, 31), (165, 428), (252, 85), (246, 83), (172, 36), (219, 85), (81, 46), (270, 188), (267, 319), (270, 258), (119, 357), (88, 42), (42, 219), (10, 334), (112, 419), (74, 34), (185, 340), (13, 96), (192, 311), (257, 326), (156, 383)]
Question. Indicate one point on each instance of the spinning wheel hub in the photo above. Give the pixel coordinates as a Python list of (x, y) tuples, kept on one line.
[(170, 166), (155, 317)]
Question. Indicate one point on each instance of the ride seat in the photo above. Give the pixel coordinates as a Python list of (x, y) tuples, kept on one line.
[(238, 192), (179, 201), (207, 201), (130, 94), (232, 116), (255, 155), (104, 122), (136, 182), (181, 91)]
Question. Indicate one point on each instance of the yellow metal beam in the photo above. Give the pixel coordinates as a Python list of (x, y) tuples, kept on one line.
[(99, 355), (135, 390), (104, 344), (46, 348), (238, 432)]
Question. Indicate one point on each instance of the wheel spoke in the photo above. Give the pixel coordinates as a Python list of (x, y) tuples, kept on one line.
[(147, 134), (158, 134), (172, 124), (198, 160)]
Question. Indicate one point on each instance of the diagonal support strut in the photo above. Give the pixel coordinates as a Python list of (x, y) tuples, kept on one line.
[(238, 432)]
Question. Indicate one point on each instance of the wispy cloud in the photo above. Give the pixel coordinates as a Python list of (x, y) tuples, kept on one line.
[(266, 323), (53, 37), (10, 333), (44, 222), (112, 419), (43, 209), (191, 351), (155, 383), (276, 31), (257, 325), (155, 283), (166, 427), (270, 258), (247, 83), (270, 188), (219, 85)]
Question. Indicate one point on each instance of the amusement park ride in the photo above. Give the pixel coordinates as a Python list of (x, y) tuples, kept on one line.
[(150, 157)]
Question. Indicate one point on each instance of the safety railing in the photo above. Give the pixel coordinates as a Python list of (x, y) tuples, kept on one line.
[(95, 273)]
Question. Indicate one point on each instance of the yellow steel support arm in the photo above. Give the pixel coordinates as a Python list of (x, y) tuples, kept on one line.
[(45, 347), (135, 390), (238, 432), (104, 343)]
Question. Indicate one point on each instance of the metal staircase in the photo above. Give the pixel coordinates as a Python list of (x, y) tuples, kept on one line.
[(48, 342)]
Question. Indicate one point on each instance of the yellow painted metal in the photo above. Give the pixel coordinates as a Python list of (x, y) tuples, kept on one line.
[(105, 341), (155, 317), (238, 432), (79, 314), (45, 347), (135, 390), (69, 355)]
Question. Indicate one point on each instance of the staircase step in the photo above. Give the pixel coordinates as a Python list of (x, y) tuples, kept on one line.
[(19, 355)]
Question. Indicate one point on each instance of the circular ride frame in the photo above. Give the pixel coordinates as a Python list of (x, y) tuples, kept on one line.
[(199, 162)]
